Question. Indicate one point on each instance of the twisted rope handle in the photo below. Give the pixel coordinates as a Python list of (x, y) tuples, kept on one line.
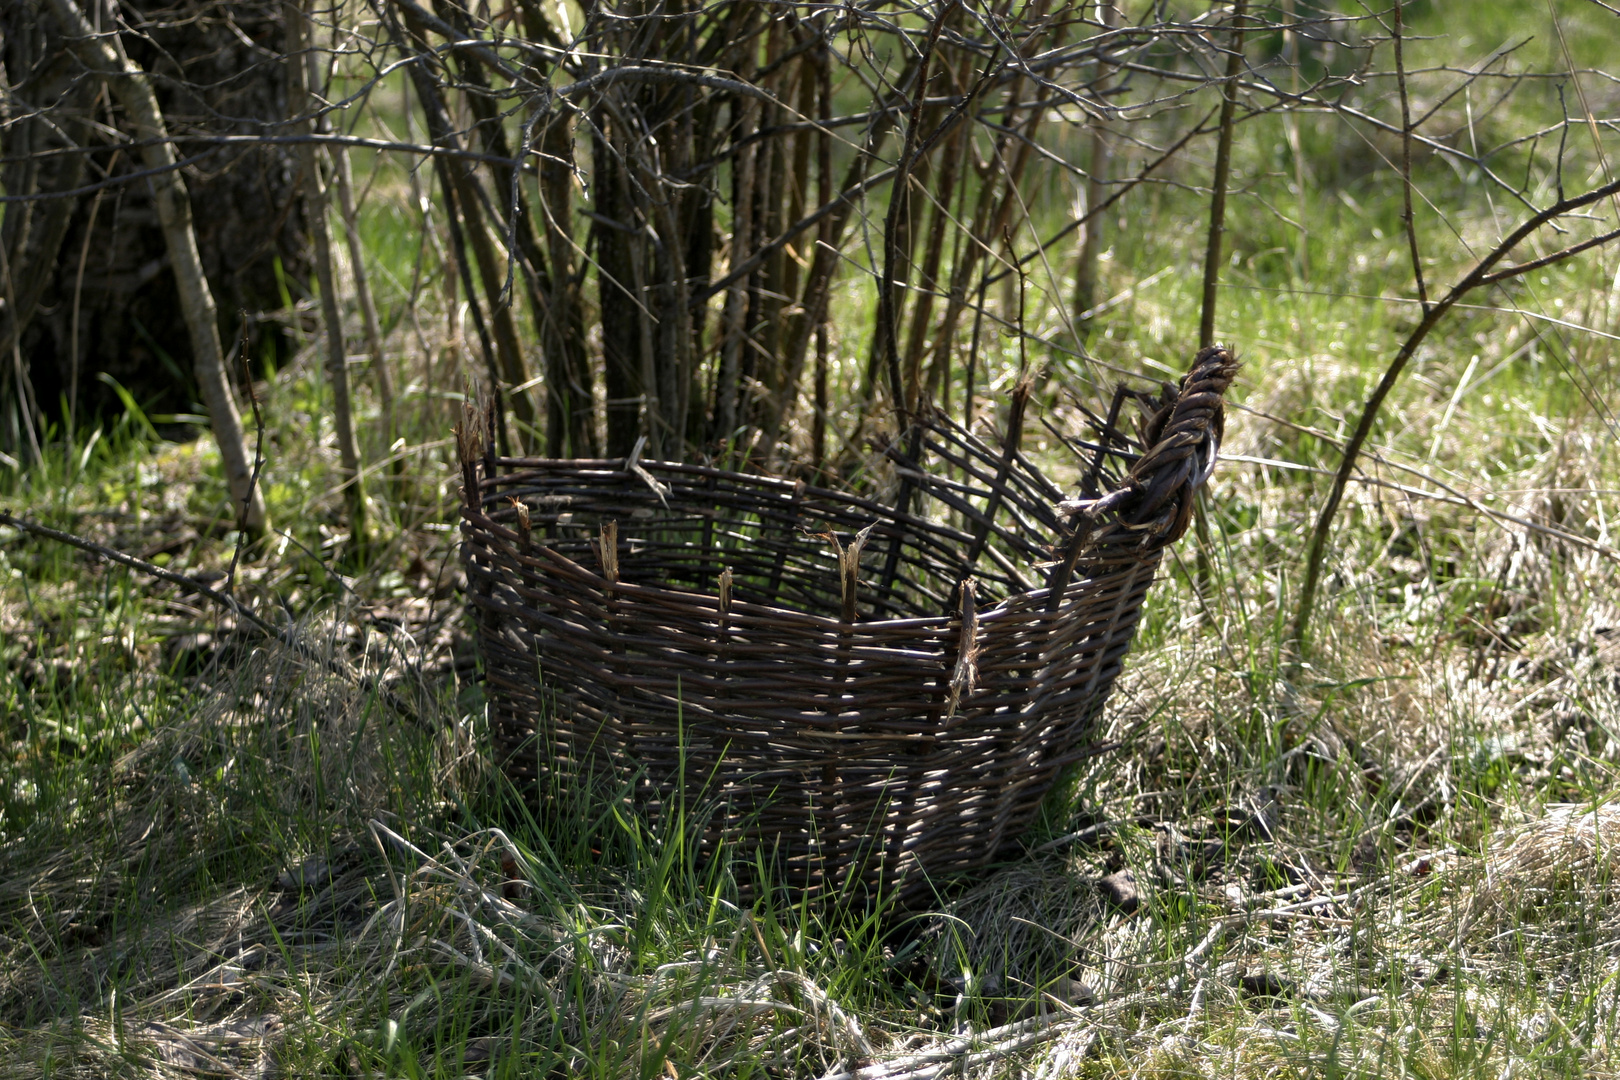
[(1156, 500), (1181, 454)]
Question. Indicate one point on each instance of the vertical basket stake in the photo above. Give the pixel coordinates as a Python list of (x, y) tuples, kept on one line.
[(1058, 583), (902, 506), (849, 575), (1108, 434), (1093, 503), (1009, 454), (490, 417), (467, 450)]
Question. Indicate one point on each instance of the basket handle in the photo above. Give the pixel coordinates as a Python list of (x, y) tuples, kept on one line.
[(1155, 503), (1182, 456)]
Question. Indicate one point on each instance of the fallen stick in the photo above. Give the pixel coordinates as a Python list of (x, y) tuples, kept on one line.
[(223, 600)]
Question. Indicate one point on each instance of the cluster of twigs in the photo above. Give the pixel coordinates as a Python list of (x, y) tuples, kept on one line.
[(698, 182), (741, 163), (669, 223)]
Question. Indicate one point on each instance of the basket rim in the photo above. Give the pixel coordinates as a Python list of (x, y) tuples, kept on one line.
[(1189, 422), (625, 468), (742, 611)]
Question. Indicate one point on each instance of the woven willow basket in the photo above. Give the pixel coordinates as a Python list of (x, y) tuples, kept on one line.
[(855, 693)]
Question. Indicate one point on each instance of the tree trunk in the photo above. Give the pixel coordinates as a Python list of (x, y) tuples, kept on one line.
[(621, 314), (570, 408), (107, 304), (129, 85), (343, 180), (32, 235), (1091, 241)]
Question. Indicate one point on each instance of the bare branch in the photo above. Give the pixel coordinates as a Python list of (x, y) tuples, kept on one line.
[(1317, 547)]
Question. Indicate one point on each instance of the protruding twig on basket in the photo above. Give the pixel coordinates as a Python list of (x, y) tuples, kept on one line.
[(1096, 508), (1063, 569), (849, 574), (494, 418), (725, 614), (525, 526), (607, 551), (967, 652), (632, 464), (1108, 433), (849, 569)]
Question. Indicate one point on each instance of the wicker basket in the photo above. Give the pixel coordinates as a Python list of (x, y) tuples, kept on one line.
[(864, 693)]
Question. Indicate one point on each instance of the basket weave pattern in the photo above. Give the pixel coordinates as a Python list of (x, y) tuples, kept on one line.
[(871, 692)]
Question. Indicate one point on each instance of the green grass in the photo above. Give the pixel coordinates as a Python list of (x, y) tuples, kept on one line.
[(214, 856)]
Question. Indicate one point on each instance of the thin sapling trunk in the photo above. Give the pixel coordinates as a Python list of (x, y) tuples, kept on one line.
[(305, 100)]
